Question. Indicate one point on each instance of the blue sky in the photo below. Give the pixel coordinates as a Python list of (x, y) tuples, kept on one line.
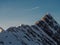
[(16, 12)]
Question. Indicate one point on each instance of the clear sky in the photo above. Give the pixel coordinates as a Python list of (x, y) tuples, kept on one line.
[(16, 12)]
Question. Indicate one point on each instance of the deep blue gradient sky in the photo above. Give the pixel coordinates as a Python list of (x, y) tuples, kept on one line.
[(16, 12)]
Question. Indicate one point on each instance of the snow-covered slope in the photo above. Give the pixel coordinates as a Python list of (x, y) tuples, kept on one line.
[(44, 32)]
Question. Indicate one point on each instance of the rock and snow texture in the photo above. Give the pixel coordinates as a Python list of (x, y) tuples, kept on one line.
[(45, 32)]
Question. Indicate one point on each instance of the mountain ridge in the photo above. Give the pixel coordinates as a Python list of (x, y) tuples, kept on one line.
[(44, 32)]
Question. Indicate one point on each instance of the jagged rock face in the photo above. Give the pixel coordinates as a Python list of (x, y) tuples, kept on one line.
[(45, 32)]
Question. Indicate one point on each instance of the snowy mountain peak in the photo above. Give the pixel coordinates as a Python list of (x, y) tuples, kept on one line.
[(44, 32)]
